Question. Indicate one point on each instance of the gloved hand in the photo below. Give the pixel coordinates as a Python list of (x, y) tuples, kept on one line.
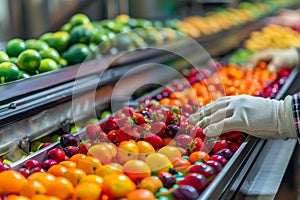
[(260, 117), (277, 58)]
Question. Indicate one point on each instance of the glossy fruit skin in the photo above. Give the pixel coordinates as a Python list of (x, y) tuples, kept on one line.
[(219, 145), (68, 140), (56, 154), (151, 183), (32, 163), (154, 140), (71, 150), (117, 185), (37, 169), (186, 192), (220, 159), (183, 140), (29, 60), (158, 128), (215, 164), (47, 65), (14, 47), (109, 124), (87, 190), (11, 178), (198, 181), (8, 72), (48, 163), (172, 130), (127, 150), (208, 171), (226, 153), (167, 179), (140, 194), (136, 170), (24, 171)]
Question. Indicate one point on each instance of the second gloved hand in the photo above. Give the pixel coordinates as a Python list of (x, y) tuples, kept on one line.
[(260, 117)]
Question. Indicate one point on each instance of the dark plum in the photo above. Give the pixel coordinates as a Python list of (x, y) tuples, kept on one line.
[(198, 181), (68, 140), (167, 179), (185, 192), (226, 153), (172, 130), (215, 164)]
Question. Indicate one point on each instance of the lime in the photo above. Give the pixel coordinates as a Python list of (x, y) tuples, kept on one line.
[(80, 34), (23, 74), (77, 53), (4, 57), (50, 53), (47, 65), (105, 114), (37, 45), (14, 47), (8, 72), (59, 41), (63, 62), (14, 60), (46, 37), (29, 60), (67, 27), (99, 36), (79, 19)]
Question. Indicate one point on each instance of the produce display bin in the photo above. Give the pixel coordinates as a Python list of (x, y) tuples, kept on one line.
[(37, 106)]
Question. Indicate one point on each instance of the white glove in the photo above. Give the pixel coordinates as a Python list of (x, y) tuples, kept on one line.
[(260, 117), (277, 58)]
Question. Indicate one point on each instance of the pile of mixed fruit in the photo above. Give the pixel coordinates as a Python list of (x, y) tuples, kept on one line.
[(146, 152)]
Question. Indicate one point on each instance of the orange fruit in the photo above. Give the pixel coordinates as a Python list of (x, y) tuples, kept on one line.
[(127, 150), (140, 194), (151, 183), (44, 178), (74, 175), (16, 197), (136, 170), (200, 156), (11, 181), (105, 152), (107, 169), (89, 164), (57, 170), (158, 162), (68, 164), (44, 197), (145, 148), (77, 157), (32, 188), (87, 191), (117, 185), (60, 187), (171, 152), (181, 164), (92, 178)]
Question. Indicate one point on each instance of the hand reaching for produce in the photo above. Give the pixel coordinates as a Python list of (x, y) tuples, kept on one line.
[(286, 18), (276, 59), (260, 117)]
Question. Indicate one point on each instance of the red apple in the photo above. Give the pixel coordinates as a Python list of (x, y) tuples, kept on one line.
[(215, 164), (49, 163), (32, 163), (56, 154), (219, 158), (198, 181)]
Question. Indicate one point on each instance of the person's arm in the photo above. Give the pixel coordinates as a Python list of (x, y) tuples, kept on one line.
[(260, 117), (296, 113), (276, 58)]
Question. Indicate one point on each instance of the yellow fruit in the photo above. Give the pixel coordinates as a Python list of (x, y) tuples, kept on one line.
[(158, 162)]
